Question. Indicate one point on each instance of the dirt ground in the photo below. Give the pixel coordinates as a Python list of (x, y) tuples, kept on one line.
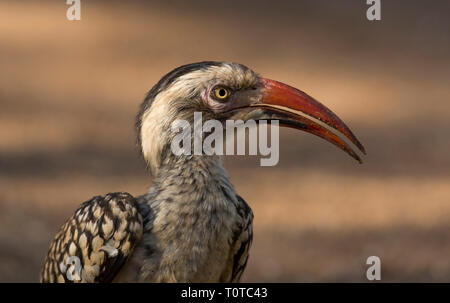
[(69, 92)]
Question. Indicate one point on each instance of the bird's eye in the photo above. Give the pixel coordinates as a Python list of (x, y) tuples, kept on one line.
[(221, 93)]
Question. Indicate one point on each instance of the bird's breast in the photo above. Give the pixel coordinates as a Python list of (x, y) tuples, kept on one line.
[(186, 243)]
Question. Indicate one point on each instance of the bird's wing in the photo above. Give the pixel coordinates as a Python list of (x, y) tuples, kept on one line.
[(96, 241), (243, 241)]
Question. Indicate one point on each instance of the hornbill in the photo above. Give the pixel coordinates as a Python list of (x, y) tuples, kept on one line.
[(191, 226)]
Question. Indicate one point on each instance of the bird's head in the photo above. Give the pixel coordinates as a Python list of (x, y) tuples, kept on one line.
[(223, 91)]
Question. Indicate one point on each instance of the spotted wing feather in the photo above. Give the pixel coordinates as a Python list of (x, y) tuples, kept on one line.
[(96, 241), (243, 241)]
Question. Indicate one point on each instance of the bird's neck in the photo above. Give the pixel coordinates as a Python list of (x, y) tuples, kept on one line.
[(195, 179), (202, 170), (190, 215)]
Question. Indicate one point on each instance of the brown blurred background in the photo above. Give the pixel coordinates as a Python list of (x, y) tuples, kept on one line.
[(69, 92)]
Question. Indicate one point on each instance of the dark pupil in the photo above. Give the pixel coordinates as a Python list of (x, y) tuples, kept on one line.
[(222, 92)]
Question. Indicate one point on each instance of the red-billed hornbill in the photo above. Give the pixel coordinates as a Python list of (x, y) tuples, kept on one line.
[(191, 226)]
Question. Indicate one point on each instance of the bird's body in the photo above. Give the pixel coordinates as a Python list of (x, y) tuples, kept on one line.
[(196, 229), (191, 226)]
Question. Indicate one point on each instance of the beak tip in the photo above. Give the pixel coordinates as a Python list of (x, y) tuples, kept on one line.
[(357, 158)]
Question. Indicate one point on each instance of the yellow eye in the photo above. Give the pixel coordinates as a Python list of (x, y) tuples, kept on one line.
[(221, 93)]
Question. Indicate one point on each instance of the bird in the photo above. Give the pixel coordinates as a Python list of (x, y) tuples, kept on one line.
[(191, 225)]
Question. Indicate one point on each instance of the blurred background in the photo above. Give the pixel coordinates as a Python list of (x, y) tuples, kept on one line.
[(69, 93)]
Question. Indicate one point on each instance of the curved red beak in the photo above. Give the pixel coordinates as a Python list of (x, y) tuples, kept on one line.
[(295, 108)]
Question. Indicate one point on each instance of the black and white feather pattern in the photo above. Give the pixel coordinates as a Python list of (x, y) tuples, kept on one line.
[(95, 242)]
